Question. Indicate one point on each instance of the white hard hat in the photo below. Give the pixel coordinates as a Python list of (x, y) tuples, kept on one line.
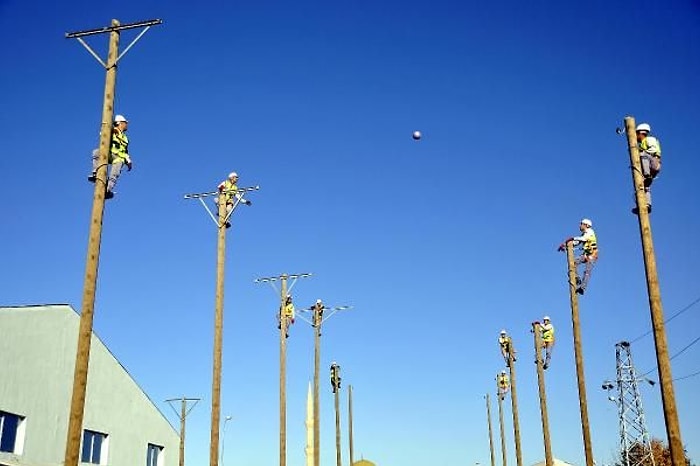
[(644, 127), (587, 222), (503, 332), (318, 301), (233, 175), (545, 318), (503, 371), (120, 118)]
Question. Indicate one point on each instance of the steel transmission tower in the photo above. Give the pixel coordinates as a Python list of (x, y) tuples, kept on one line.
[(635, 442)]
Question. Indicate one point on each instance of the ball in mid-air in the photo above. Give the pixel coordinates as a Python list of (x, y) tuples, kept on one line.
[(416, 135)]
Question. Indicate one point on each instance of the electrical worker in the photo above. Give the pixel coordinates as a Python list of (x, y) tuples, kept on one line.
[(288, 313), (503, 382), (118, 155), (230, 189), (589, 253), (506, 344), (335, 376), (317, 317), (650, 158), (547, 333)]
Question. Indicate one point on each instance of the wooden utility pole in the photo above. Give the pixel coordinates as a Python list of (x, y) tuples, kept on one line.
[(514, 403), (578, 354), (668, 397), (549, 460), (488, 417), (335, 381), (82, 360), (182, 415), (500, 396), (218, 334), (284, 291), (317, 368), (283, 372), (351, 448)]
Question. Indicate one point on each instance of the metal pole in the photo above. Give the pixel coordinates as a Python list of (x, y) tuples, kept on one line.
[(668, 397), (488, 416), (578, 354), (514, 404), (549, 460), (80, 374), (352, 452), (317, 405), (338, 458), (501, 424), (218, 335), (283, 372), (183, 415)]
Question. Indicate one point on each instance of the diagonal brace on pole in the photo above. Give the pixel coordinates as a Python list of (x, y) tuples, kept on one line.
[(108, 29)]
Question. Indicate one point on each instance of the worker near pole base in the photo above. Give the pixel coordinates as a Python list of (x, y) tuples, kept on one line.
[(503, 382), (650, 158), (335, 376), (589, 253), (229, 187), (547, 334), (506, 345), (287, 313), (118, 155)]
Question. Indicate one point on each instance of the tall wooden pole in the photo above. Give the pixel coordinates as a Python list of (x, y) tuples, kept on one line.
[(502, 426), (488, 417), (283, 372), (514, 404), (183, 415), (80, 374), (317, 368), (338, 458), (578, 354), (351, 447), (668, 397), (549, 460), (218, 335)]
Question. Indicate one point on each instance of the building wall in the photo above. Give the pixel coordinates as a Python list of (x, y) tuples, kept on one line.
[(37, 358)]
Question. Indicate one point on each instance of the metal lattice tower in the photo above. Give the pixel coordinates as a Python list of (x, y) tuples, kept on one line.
[(635, 442)]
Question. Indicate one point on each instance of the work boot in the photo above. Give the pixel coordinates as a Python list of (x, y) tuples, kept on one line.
[(545, 366), (580, 291), (228, 224), (578, 281), (635, 211), (109, 195), (92, 177)]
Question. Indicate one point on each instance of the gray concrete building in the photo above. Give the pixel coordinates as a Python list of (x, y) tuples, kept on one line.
[(122, 426)]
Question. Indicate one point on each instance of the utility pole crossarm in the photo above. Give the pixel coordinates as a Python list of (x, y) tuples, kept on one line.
[(106, 29), (226, 191)]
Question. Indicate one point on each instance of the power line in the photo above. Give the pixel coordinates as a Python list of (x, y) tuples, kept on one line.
[(694, 374), (697, 300), (685, 348)]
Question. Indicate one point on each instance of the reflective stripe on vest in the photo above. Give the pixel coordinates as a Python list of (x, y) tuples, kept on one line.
[(120, 145)]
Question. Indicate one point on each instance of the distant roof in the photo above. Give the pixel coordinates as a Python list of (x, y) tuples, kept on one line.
[(556, 462), (363, 463)]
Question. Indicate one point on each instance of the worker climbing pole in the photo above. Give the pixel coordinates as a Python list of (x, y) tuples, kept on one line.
[(335, 386), (588, 243), (505, 342), (502, 384), (538, 332)]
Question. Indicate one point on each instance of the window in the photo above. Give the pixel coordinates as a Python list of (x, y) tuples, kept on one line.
[(154, 455), (11, 432), (94, 447)]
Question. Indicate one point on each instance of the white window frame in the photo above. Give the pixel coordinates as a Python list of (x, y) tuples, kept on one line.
[(18, 447), (104, 447), (160, 460)]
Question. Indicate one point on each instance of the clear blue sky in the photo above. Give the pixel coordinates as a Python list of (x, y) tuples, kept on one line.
[(437, 244)]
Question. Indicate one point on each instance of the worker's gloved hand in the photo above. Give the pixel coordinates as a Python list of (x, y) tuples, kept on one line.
[(247, 202), (561, 247), (129, 165)]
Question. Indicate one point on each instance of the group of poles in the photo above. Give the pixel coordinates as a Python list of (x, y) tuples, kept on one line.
[(76, 415), (658, 327)]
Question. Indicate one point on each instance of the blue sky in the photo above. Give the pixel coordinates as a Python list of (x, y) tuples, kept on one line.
[(437, 244)]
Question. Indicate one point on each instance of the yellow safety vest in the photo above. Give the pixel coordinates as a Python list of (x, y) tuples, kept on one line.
[(590, 246), (504, 341), (547, 333), (120, 146), (503, 381), (289, 310), (230, 189), (644, 145)]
